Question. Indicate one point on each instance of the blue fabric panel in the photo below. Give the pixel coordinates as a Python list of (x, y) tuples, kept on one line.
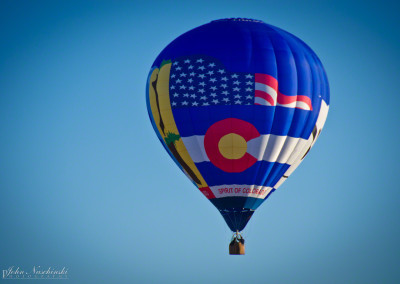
[(237, 202)]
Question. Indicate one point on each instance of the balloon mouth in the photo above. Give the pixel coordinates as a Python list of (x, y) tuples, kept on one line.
[(238, 20)]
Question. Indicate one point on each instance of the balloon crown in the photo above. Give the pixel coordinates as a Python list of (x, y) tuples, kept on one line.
[(238, 20)]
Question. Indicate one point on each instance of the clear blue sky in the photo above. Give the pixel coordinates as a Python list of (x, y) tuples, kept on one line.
[(84, 182)]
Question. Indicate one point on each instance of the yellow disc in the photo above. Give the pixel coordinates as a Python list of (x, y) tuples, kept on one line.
[(232, 146)]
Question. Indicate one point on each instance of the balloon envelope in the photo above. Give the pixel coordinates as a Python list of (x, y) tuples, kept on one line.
[(237, 104)]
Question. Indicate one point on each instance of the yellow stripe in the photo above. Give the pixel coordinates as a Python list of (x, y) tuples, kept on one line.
[(167, 116), (153, 103)]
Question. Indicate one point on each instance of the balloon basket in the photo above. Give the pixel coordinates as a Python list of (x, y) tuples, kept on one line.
[(236, 246)]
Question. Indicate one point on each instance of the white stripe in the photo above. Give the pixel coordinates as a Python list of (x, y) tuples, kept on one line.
[(291, 105), (257, 146), (195, 146), (296, 104), (267, 89), (273, 148), (287, 149), (304, 145), (270, 148), (244, 190), (261, 101)]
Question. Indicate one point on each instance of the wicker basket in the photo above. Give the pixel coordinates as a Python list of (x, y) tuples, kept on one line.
[(236, 246)]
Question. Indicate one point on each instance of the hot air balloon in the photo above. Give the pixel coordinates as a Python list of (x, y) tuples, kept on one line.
[(237, 104)]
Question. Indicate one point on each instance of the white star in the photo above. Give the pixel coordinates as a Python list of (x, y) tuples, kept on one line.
[(172, 87), (190, 80), (182, 87), (202, 76), (213, 80), (193, 96), (225, 93), (249, 83), (225, 99), (249, 76), (201, 68), (185, 103), (213, 95), (178, 81), (213, 88), (206, 104), (191, 88), (249, 89), (176, 95), (249, 97), (190, 67), (178, 68), (173, 103), (237, 97), (236, 82), (192, 74), (224, 79), (221, 71), (234, 76), (211, 64), (186, 95), (173, 76), (215, 101), (200, 60), (195, 103), (236, 89), (238, 102), (183, 75), (202, 84), (175, 63), (203, 98), (187, 61), (210, 72), (201, 91), (224, 85)]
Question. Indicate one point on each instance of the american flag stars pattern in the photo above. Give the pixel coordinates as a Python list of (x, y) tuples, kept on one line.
[(202, 81)]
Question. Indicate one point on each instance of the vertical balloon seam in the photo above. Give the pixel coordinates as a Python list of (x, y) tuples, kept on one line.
[(314, 79), (270, 143), (290, 41), (323, 78), (313, 96), (262, 176), (278, 167), (316, 88), (259, 166), (249, 202), (250, 60)]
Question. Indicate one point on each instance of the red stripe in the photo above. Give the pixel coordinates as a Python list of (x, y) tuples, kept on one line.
[(267, 80), (281, 99), (265, 96), (306, 100), (284, 100), (207, 192)]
